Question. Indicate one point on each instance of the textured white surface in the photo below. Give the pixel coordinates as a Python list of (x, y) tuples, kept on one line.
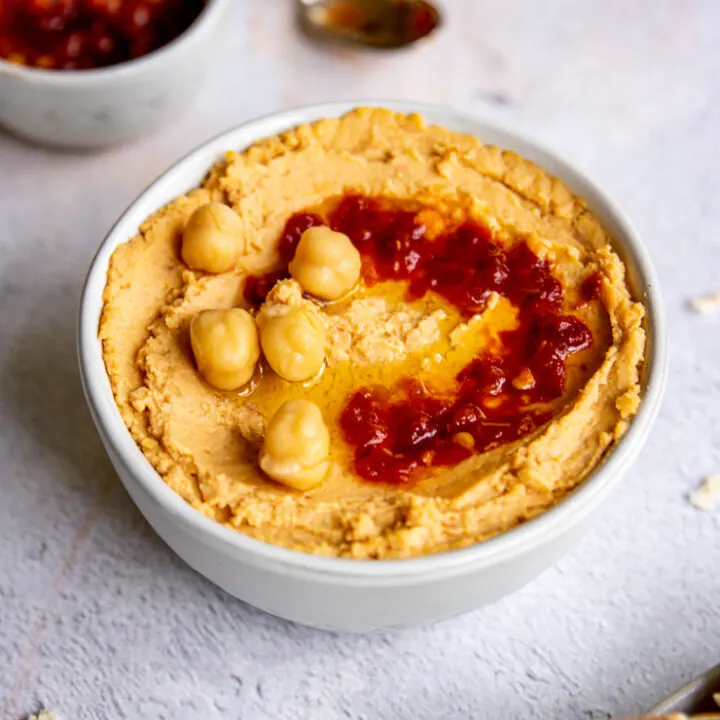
[(100, 620)]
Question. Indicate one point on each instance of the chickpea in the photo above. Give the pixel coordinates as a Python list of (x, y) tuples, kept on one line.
[(294, 343), (326, 263), (525, 380), (212, 240), (464, 439), (225, 346), (297, 445)]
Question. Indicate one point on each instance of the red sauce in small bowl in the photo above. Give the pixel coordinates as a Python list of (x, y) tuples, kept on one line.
[(89, 34)]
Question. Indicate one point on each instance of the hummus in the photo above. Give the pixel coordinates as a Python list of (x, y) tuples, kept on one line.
[(204, 443)]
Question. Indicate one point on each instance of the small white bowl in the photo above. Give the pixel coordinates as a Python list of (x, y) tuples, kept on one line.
[(91, 109), (354, 595)]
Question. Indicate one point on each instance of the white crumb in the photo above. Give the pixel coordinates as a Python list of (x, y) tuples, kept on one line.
[(706, 304), (43, 715), (707, 496)]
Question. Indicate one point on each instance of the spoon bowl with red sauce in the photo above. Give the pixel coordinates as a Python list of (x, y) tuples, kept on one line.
[(85, 74), (376, 24)]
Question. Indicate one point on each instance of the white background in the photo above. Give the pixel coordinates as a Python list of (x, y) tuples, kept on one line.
[(99, 620)]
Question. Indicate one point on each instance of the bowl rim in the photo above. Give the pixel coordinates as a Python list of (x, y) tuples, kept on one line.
[(126, 69), (486, 553)]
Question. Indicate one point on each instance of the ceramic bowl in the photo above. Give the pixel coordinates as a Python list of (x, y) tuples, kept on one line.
[(343, 594), (91, 109)]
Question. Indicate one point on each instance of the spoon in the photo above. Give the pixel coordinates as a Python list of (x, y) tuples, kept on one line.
[(380, 24)]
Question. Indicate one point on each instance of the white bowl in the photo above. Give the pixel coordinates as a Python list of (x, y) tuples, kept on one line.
[(353, 595), (90, 109)]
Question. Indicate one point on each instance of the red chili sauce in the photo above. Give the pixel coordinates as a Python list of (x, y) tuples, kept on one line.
[(87, 34), (590, 289), (396, 431)]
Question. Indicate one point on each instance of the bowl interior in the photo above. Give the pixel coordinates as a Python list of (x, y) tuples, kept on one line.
[(189, 172)]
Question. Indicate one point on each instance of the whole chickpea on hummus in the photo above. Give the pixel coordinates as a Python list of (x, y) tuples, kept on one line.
[(373, 338)]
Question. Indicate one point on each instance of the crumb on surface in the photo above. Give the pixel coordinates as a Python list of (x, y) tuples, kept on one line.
[(707, 496), (43, 715), (706, 303)]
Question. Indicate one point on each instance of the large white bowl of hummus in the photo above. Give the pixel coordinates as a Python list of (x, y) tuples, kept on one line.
[(483, 471)]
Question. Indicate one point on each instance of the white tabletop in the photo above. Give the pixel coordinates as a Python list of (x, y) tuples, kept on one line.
[(100, 620)]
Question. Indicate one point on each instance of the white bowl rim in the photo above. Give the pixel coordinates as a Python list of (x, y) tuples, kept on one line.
[(121, 70), (485, 553)]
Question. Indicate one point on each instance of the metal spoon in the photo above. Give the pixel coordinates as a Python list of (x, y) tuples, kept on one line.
[(380, 24), (701, 695)]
